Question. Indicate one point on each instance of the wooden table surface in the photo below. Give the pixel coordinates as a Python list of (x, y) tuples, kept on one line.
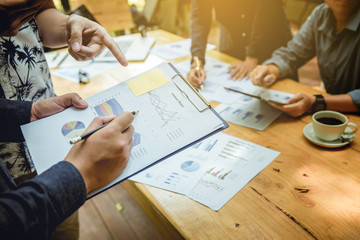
[(272, 205)]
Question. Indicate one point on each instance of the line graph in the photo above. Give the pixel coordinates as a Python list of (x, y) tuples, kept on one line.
[(161, 108)]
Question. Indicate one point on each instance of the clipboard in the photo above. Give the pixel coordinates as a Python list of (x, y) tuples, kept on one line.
[(171, 118)]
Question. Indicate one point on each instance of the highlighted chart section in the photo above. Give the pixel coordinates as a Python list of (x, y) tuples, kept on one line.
[(108, 108), (220, 174), (73, 129)]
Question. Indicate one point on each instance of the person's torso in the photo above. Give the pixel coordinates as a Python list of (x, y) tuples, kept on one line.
[(24, 75), (338, 56), (245, 24)]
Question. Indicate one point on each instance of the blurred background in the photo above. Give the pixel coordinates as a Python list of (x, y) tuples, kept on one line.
[(122, 17)]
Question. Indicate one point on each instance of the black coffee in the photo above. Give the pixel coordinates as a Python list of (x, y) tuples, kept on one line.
[(329, 121)]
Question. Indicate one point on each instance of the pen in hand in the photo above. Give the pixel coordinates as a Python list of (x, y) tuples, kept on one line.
[(197, 68), (88, 134)]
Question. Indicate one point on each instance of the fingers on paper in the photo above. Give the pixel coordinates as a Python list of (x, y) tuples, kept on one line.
[(99, 121), (71, 99), (123, 121)]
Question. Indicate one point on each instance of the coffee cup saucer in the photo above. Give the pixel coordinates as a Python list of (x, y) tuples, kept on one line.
[(310, 135)]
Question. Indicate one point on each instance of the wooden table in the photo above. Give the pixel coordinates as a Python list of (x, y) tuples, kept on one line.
[(308, 192)]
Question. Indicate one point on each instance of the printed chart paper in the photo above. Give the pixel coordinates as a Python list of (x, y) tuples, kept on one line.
[(166, 118), (210, 172), (237, 108)]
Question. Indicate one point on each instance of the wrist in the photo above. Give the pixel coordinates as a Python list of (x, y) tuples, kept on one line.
[(77, 163), (273, 69), (253, 60), (318, 103), (197, 62), (33, 114)]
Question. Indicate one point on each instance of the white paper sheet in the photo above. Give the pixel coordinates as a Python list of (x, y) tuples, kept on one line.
[(237, 108), (96, 68), (176, 49), (55, 58), (91, 70), (210, 172), (134, 47)]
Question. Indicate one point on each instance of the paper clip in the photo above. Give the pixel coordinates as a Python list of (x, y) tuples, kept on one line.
[(195, 91)]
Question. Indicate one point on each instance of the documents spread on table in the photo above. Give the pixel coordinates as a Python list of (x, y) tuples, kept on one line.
[(176, 49), (134, 48), (237, 108), (171, 114), (210, 172), (87, 71)]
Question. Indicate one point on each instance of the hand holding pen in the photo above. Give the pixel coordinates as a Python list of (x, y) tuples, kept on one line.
[(104, 155), (197, 74), (89, 133)]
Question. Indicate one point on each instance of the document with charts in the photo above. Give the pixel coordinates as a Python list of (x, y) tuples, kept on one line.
[(172, 116), (210, 172), (235, 107)]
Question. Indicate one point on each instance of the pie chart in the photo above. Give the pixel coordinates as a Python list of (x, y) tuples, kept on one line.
[(190, 166), (73, 129)]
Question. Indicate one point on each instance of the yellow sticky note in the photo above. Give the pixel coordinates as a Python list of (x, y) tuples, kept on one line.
[(147, 82)]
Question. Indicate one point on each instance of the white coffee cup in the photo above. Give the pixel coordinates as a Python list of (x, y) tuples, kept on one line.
[(331, 125)]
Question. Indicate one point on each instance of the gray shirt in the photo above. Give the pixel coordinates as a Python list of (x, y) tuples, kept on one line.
[(338, 54)]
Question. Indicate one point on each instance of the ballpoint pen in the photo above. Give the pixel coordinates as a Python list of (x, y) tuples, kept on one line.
[(255, 96), (88, 134), (197, 68)]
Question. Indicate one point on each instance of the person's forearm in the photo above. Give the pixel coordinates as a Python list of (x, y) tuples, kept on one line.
[(341, 103), (274, 69), (52, 26), (200, 27), (34, 209)]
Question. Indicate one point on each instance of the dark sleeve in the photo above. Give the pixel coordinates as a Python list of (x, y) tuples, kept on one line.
[(13, 114), (201, 12), (270, 29), (13, 17), (34, 209)]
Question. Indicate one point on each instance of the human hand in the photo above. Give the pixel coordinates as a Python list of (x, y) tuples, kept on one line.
[(50, 106), (297, 105), (104, 155), (264, 75), (242, 69), (87, 39), (196, 77)]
